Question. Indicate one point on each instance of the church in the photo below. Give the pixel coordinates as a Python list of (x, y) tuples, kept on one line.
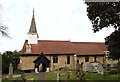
[(43, 55)]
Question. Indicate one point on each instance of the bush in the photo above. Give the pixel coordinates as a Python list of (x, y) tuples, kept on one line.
[(19, 72), (113, 72), (118, 66)]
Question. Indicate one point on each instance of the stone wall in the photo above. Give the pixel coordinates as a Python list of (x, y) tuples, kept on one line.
[(91, 59), (26, 62)]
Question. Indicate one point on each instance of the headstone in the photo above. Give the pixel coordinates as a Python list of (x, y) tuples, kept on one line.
[(100, 69), (10, 71), (58, 75), (84, 67), (54, 68), (65, 66), (51, 67), (71, 67), (96, 67), (90, 68)]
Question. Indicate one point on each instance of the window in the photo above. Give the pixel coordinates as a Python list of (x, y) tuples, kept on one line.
[(77, 61), (86, 58), (68, 59), (95, 59), (55, 59), (28, 48)]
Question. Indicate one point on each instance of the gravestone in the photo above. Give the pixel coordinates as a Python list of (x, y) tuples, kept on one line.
[(65, 66), (10, 71), (58, 75), (90, 68), (51, 68), (84, 67), (100, 69), (96, 67), (72, 67), (54, 68)]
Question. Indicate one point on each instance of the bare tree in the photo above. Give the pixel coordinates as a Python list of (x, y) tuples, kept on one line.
[(3, 28)]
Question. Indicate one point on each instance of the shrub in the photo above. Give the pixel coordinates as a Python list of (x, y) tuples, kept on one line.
[(19, 72), (113, 72), (118, 66)]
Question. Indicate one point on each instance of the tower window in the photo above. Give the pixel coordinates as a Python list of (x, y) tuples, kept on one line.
[(55, 59), (86, 58), (68, 59)]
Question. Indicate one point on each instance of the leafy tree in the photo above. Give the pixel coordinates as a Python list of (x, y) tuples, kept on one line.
[(10, 57), (105, 15)]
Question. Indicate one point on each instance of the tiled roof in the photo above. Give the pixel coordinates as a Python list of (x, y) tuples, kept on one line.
[(50, 47), (89, 48), (66, 47)]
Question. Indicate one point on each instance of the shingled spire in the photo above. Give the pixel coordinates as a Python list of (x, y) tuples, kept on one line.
[(32, 34), (33, 25)]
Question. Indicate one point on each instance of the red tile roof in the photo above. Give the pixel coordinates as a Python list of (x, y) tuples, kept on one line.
[(66, 47), (89, 48)]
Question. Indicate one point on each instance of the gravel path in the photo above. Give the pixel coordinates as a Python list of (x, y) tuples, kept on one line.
[(40, 76)]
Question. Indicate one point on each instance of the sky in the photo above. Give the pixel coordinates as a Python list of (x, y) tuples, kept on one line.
[(55, 20)]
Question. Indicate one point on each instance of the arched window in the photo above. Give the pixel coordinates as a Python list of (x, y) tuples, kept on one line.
[(68, 59), (86, 58), (95, 59), (55, 59), (77, 61)]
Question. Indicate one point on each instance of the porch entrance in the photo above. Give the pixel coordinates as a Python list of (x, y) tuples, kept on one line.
[(41, 63)]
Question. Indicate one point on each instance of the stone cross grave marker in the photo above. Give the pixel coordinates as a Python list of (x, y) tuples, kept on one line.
[(10, 71)]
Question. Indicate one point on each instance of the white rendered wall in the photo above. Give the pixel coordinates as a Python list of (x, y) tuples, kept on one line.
[(32, 39)]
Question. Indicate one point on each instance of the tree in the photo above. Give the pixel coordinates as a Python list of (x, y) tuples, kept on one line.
[(3, 28), (10, 57), (105, 15)]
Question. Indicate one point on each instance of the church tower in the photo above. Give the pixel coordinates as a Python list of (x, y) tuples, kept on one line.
[(32, 34)]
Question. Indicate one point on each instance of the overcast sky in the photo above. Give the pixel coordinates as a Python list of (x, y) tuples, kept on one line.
[(55, 20)]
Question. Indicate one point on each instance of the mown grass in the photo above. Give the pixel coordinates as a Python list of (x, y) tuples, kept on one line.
[(53, 76), (95, 76), (30, 76)]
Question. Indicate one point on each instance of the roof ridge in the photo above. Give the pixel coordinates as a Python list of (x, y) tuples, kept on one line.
[(54, 40), (90, 42)]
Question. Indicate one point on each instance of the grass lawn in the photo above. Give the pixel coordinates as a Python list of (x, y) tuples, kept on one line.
[(53, 76), (88, 76), (95, 76), (30, 76)]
